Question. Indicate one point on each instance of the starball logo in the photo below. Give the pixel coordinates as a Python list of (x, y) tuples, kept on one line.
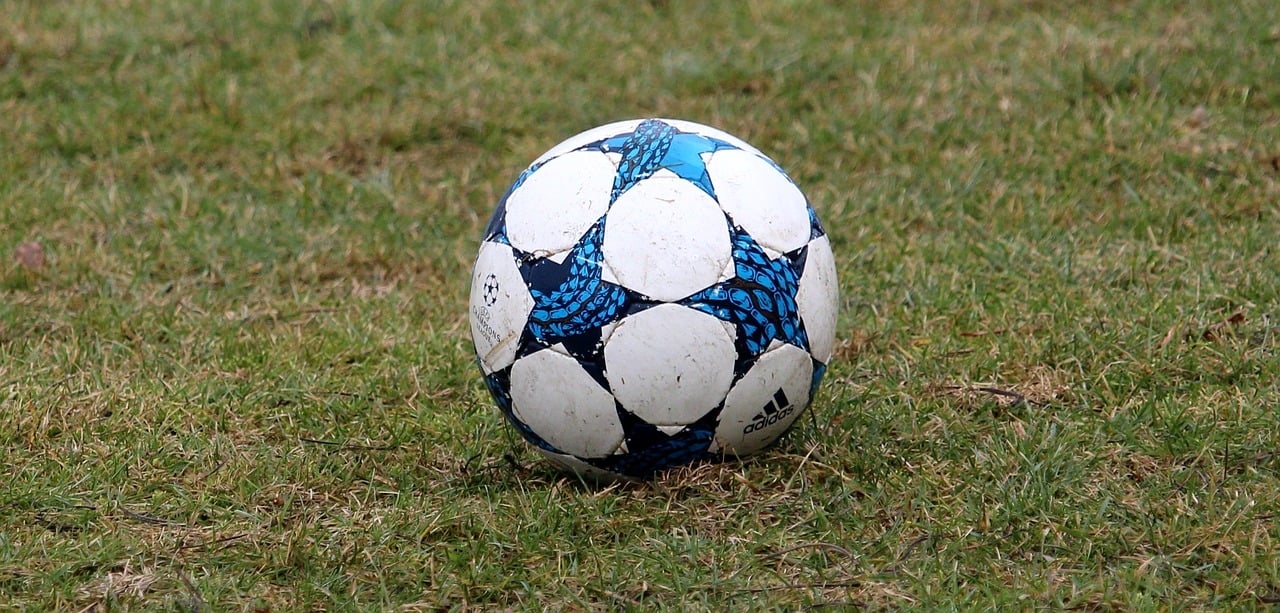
[(491, 290), (482, 315), (774, 411)]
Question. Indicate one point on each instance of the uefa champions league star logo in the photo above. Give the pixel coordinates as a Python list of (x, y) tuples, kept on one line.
[(482, 312), (491, 290)]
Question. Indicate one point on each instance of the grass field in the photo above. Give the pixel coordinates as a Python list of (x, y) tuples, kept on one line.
[(236, 372)]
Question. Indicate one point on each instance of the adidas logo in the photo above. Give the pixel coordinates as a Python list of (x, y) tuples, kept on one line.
[(772, 412)]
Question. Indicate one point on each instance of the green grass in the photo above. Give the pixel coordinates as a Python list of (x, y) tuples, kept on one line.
[(241, 377)]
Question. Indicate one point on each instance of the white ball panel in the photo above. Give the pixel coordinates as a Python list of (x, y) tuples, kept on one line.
[(760, 199), (818, 299), (551, 210), (666, 239), (562, 404), (754, 414), (500, 306), (670, 364)]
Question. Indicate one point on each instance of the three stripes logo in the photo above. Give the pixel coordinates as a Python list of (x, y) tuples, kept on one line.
[(774, 411)]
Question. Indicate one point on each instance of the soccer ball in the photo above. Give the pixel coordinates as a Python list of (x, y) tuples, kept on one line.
[(652, 293)]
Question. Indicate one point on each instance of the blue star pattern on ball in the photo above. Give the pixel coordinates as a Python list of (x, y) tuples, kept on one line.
[(655, 450), (655, 145), (819, 369), (570, 300), (760, 299), (815, 226)]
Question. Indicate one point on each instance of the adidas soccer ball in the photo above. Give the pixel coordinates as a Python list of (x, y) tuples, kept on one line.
[(652, 293)]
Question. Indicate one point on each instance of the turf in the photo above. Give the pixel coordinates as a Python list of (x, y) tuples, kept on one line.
[(235, 370)]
